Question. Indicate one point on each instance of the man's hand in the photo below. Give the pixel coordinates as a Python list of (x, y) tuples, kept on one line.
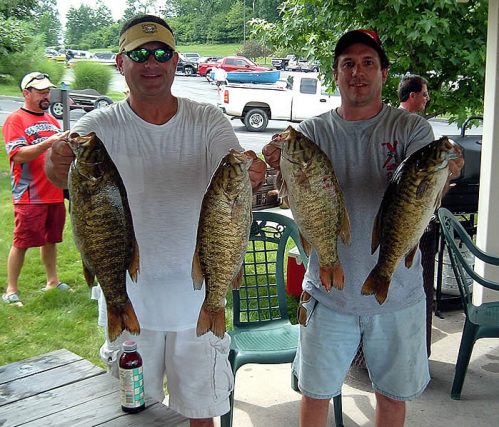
[(31, 152), (257, 170), (57, 163), (455, 166)]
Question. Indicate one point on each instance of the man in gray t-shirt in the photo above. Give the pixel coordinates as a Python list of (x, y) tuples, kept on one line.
[(366, 140)]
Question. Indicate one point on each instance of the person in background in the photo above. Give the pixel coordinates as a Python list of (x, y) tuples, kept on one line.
[(366, 140), (166, 149), (413, 93), (39, 210), (220, 76)]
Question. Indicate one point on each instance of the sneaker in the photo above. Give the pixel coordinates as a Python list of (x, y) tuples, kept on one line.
[(61, 286), (11, 298)]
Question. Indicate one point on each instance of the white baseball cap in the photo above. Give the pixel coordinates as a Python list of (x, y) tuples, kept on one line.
[(36, 80)]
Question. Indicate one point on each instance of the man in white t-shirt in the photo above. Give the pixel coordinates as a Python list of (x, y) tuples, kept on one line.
[(220, 76), (166, 150)]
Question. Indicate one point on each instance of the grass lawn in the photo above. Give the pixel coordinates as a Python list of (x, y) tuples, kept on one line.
[(48, 320)]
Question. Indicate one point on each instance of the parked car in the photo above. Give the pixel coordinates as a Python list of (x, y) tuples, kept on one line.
[(205, 68), (186, 66), (302, 65), (298, 98), (84, 99), (190, 56), (282, 63), (231, 63), (107, 58), (205, 59)]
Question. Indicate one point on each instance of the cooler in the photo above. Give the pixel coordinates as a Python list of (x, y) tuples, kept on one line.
[(295, 273)]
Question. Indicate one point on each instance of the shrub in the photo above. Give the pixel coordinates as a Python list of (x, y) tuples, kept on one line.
[(88, 74)]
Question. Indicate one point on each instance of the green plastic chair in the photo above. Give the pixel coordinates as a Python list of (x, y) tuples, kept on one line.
[(481, 321), (262, 331)]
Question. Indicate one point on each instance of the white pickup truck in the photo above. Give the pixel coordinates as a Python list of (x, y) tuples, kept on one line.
[(297, 98)]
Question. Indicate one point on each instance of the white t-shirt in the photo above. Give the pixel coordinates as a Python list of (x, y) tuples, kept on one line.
[(364, 155), (220, 75), (166, 170)]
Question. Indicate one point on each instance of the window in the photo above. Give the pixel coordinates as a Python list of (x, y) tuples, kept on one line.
[(308, 86)]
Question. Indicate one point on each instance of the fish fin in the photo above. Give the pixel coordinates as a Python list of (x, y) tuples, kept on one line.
[(307, 247), (376, 232), (410, 256), (120, 318), (197, 273), (332, 277), (133, 268), (89, 275), (376, 285), (211, 321), (236, 283), (423, 188), (345, 227)]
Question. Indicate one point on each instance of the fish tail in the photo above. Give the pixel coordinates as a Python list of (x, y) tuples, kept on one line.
[(211, 321), (376, 285), (120, 318), (332, 277)]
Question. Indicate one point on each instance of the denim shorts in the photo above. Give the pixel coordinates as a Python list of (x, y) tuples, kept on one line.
[(394, 346)]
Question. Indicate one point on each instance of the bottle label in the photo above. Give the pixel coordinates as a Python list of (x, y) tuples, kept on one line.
[(132, 387)]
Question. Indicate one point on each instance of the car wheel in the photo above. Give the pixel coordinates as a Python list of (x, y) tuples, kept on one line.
[(208, 75), (56, 109), (188, 71), (256, 120), (102, 102)]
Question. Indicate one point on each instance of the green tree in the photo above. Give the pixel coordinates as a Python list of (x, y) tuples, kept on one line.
[(20, 9), (136, 7), (443, 40), (106, 37), (83, 21), (46, 18)]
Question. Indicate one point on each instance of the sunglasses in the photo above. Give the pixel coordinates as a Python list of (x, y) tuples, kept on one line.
[(142, 54), (40, 76)]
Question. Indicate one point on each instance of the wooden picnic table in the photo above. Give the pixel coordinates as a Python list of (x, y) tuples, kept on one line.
[(63, 389)]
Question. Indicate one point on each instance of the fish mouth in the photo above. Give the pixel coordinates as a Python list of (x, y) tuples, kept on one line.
[(241, 158)]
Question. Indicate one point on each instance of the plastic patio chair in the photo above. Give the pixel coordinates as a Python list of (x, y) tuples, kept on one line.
[(481, 321), (262, 331)]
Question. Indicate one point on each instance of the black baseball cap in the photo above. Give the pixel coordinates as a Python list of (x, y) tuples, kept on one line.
[(367, 37)]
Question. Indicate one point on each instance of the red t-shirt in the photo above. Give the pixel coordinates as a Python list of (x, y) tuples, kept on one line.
[(29, 183)]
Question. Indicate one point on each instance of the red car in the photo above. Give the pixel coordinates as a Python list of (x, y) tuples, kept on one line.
[(230, 63)]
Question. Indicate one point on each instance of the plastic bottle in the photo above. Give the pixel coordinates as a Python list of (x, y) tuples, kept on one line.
[(131, 379)]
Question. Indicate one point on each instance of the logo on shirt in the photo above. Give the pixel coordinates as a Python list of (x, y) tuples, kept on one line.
[(391, 162)]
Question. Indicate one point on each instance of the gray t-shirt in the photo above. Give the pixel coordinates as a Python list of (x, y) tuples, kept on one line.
[(365, 154)]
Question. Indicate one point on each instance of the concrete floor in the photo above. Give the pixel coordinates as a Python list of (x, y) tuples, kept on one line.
[(264, 398)]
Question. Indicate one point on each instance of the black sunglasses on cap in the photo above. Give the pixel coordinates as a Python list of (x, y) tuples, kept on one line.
[(40, 76), (142, 54)]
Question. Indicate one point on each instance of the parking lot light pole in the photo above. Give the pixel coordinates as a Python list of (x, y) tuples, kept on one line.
[(65, 105)]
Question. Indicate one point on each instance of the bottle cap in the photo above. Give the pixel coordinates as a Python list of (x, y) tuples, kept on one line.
[(129, 345)]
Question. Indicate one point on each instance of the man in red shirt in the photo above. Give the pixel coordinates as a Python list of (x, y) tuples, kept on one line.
[(39, 210)]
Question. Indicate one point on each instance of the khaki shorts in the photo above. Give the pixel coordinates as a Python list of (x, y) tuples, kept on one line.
[(196, 370)]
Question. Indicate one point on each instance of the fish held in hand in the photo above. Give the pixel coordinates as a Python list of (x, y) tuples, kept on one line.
[(316, 200), (222, 238), (103, 229), (411, 198)]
